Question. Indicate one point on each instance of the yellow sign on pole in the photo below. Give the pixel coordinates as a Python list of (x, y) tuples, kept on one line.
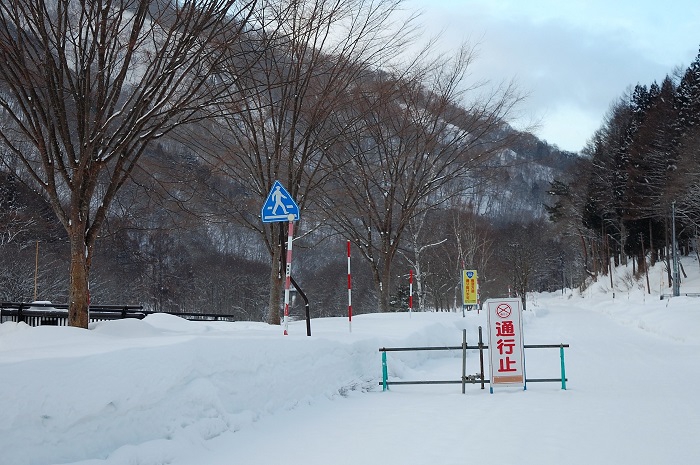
[(469, 287)]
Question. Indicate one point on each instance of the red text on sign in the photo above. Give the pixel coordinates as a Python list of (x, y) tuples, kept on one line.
[(506, 364), (505, 328)]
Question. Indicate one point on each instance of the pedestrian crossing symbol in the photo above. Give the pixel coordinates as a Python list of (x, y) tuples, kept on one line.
[(279, 206)]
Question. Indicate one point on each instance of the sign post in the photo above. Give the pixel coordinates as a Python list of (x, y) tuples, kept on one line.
[(506, 350), (279, 207), (288, 273)]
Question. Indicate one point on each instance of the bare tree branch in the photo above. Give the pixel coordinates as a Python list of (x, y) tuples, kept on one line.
[(88, 85)]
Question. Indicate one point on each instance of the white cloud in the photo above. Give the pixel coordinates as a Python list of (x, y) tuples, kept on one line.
[(572, 58)]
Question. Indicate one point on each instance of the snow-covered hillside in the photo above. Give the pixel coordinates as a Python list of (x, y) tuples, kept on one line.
[(167, 391)]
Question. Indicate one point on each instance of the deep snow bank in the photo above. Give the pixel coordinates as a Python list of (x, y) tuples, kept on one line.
[(68, 394)]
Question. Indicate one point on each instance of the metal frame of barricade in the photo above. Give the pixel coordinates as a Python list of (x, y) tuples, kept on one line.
[(478, 377)]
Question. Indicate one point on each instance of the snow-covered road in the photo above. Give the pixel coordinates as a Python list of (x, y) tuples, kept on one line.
[(166, 391), (630, 400)]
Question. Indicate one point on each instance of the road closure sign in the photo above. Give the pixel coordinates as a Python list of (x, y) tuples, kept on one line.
[(506, 351)]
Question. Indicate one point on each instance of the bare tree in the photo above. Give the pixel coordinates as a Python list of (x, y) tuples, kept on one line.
[(86, 86), (303, 89), (416, 251), (420, 144), (462, 239)]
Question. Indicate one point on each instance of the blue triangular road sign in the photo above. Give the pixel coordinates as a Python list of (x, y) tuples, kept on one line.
[(279, 205)]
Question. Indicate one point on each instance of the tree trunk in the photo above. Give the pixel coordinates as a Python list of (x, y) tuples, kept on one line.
[(419, 286), (381, 285), (653, 254), (383, 298), (385, 288), (623, 242), (584, 250), (668, 254), (276, 272), (79, 293)]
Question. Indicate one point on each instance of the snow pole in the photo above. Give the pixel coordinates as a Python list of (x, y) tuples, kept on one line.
[(288, 273), (349, 291), (410, 293)]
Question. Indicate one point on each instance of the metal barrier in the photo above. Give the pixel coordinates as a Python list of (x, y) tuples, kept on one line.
[(684, 294), (49, 314), (478, 377), (43, 314)]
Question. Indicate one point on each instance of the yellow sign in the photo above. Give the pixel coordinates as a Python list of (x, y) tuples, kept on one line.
[(469, 287)]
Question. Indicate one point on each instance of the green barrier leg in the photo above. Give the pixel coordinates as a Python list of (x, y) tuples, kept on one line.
[(384, 372), (563, 369)]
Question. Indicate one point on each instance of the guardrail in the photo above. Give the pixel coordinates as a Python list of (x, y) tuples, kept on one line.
[(478, 377), (42, 314)]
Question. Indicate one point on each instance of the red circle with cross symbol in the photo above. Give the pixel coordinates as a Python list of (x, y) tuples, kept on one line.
[(503, 310)]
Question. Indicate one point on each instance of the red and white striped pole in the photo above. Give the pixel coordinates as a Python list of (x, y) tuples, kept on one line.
[(410, 293), (349, 291), (288, 273)]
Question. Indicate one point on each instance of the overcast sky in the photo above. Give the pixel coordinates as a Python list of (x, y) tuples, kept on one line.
[(572, 57)]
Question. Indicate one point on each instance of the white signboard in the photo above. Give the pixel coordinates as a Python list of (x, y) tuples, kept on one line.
[(506, 354)]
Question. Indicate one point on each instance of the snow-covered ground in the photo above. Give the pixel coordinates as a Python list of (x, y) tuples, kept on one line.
[(167, 391)]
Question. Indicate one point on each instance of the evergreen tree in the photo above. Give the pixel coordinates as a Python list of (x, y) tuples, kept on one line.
[(651, 152), (687, 138), (688, 101)]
